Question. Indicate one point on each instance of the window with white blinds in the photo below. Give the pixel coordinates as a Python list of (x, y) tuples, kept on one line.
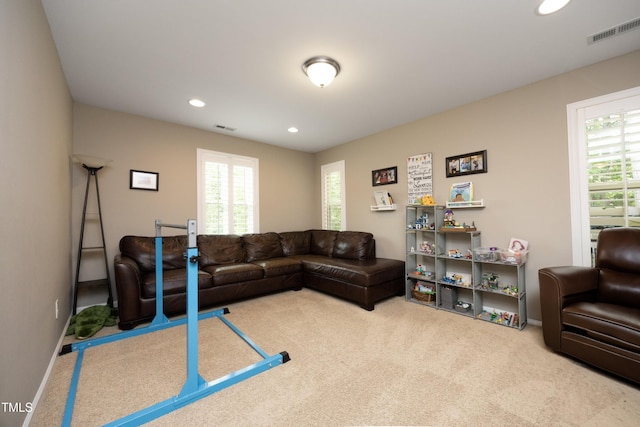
[(604, 167), (613, 158), (227, 193), (333, 196)]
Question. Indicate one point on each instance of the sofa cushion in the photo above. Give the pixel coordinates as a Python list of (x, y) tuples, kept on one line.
[(234, 273), (368, 272), (220, 249), (615, 324), (352, 245), (322, 242), (262, 246), (143, 251), (295, 242), (173, 282), (279, 266)]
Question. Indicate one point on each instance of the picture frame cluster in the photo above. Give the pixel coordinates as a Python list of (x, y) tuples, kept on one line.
[(466, 164)]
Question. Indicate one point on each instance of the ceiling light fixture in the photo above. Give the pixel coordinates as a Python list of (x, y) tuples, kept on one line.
[(321, 70), (198, 103), (550, 6), (293, 129)]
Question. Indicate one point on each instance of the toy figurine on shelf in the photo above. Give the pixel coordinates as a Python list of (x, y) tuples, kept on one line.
[(454, 253), (490, 280), (422, 222), (453, 279), (427, 201), (427, 248), (448, 218), (450, 224)]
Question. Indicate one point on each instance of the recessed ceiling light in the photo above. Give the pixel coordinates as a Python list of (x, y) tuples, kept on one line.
[(293, 129), (197, 103), (550, 6)]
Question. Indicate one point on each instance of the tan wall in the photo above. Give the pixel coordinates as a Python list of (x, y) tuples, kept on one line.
[(35, 137), (133, 142), (526, 189)]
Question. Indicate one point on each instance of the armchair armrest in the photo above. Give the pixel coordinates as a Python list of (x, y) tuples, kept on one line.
[(559, 287)]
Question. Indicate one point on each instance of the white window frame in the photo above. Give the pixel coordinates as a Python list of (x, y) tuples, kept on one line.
[(577, 114), (339, 167), (203, 156)]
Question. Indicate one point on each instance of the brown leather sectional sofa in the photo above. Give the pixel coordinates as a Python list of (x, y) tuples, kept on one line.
[(232, 268), (593, 314)]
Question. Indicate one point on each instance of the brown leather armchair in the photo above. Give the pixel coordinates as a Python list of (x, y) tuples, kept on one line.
[(593, 314)]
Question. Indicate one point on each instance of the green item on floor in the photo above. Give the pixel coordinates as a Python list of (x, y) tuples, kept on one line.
[(90, 320)]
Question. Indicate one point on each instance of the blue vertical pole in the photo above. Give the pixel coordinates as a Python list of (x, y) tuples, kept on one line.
[(194, 380), (159, 317)]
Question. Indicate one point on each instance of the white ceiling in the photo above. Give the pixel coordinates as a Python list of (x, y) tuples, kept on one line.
[(401, 59)]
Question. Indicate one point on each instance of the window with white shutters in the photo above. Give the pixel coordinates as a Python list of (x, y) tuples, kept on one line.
[(333, 196), (604, 168), (613, 156), (227, 193)]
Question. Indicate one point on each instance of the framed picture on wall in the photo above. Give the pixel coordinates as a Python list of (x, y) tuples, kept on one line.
[(466, 164), (142, 180), (384, 176)]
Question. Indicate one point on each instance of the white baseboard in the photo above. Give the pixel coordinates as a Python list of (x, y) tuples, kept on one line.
[(79, 309), (43, 383), (534, 322)]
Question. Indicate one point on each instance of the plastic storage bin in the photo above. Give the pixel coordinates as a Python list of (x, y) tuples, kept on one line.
[(513, 257), (486, 254)]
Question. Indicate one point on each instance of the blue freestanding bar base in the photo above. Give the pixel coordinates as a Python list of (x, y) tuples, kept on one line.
[(195, 386)]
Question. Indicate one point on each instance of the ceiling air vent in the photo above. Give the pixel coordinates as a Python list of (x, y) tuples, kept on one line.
[(628, 26), (619, 29), (222, 127)]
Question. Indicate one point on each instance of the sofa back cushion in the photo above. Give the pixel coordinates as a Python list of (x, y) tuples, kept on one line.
[(262, 246), (353, 245), (322, 242), (217, 249), (618, 258), (143, 251), (295, 242)]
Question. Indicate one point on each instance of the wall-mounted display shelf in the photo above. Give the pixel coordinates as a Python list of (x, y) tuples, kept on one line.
[(448, 270), (466, 204), (392, 207)]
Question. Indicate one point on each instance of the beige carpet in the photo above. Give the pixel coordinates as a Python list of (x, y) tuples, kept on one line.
[(401, 364)]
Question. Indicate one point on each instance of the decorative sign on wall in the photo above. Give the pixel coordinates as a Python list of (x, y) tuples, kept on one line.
[(419, 176)]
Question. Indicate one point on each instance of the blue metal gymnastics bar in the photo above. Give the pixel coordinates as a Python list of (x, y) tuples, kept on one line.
[(195, 387)]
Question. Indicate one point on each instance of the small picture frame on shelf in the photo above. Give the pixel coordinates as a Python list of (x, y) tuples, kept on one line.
[(466, 164), (383, 199)]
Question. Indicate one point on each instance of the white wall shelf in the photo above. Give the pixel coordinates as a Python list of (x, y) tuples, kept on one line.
[(466, 204), (384, 208)]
